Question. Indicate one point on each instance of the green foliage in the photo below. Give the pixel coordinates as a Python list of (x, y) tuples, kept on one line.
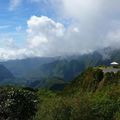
[(117, 116), (112, 78), (17, 103), (87, 81), (83, 99), (101, 105), (92, 95)]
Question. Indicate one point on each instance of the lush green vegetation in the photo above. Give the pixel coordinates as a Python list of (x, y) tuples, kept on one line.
[(92, 95), (17, 103)]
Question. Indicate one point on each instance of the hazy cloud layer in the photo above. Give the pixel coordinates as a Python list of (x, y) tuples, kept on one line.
[(94, 24), (45, 37)]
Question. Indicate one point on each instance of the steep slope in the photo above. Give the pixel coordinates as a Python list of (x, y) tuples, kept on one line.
[(93, 79), (5, 73), (61, 68), (68, 69), (91, 96), (46, 83)]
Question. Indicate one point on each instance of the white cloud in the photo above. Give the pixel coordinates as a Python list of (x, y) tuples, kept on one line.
[(7, 53), (45, 37), (49, 38), (80, 9), (14, 4), (113, 38), (94, 19), (10, 50), (92, 27), (43, 32)]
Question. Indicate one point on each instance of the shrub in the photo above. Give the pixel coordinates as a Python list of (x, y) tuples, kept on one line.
[(17, 103)]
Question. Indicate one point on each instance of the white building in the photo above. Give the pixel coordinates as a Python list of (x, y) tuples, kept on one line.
[(114, 64)]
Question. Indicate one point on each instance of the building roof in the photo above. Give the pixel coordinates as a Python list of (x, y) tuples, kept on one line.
[(114, 63)]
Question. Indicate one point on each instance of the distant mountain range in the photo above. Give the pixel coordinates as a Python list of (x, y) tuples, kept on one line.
[(20, 68), (41, 71)]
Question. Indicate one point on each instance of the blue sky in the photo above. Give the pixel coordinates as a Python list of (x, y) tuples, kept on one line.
[(10, 20), (30, 28)]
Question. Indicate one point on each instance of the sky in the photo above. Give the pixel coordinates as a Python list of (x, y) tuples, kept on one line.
[(30, 28)]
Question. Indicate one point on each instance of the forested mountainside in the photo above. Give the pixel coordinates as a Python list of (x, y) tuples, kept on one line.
[(41, 72), (68, 68), (92, 95)]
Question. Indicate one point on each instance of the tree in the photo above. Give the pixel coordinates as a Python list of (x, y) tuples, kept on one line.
[(17, 104)]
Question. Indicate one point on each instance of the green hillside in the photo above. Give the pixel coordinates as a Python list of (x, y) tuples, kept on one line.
[(90, 96)]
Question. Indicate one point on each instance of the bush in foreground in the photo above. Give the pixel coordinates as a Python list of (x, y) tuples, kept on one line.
[(17, 103)]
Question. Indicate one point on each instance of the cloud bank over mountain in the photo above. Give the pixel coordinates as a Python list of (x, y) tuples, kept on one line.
[(92, 25)]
